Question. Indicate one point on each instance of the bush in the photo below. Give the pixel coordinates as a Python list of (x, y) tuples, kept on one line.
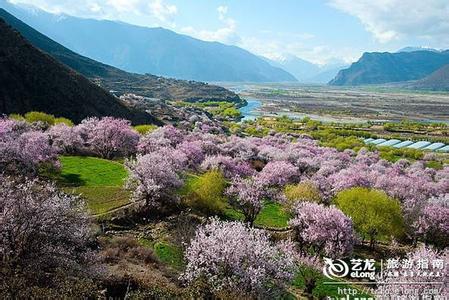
[(144, 129), (35, 116), (304, 191), (125, 247), (393, 154), (205, 192), (64, 121), (373, 212), (231, 112), (17, 117)]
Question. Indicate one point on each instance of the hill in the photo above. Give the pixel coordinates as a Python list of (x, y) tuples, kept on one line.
[(119, 81), (145, 50), (32, 80), (438, 80), (379, 68)]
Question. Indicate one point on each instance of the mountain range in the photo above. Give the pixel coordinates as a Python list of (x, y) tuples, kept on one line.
[(418, 48), (380, 68), (33, 80), (163, 52), (156, 51), (308, 72), (119, 81)]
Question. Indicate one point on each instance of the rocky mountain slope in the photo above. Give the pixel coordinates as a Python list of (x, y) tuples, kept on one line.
[(32, 80)]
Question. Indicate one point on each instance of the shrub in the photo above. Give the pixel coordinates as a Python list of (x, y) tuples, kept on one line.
[(16, 117), (64, 121), (232, 256), (374, 213), (342, 142), (35, 116), (304, 191), (231, 112), (125, 247), (205, 192), (144, 129)]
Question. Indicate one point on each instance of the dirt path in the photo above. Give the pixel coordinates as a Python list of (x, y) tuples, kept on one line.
[(117, 209)]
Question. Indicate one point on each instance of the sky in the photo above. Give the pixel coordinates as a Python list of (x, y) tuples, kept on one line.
[(321, 31)]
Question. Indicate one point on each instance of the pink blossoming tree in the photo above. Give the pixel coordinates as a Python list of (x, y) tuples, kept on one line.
[(109, 137), (230, 256), (45, 236), (153, 178), (323, 230), (247, 195)]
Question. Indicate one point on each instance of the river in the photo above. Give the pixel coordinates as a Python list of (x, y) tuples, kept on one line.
[(250, 111)]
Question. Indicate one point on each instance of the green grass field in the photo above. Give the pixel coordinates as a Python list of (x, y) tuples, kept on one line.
[(99, 181), (272, 215), (91, 171), (169, 254)]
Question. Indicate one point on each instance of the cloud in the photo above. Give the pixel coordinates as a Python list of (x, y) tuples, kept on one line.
[(226, 34), (222, 11), (278, 49), (390, 20), (157, 11), (163, 12)]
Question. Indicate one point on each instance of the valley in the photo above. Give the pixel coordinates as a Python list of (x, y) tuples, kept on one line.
[(146, 156), (345, 104)]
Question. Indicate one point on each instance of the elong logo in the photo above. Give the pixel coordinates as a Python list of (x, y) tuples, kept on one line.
[(358, 268), (335, 269)]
